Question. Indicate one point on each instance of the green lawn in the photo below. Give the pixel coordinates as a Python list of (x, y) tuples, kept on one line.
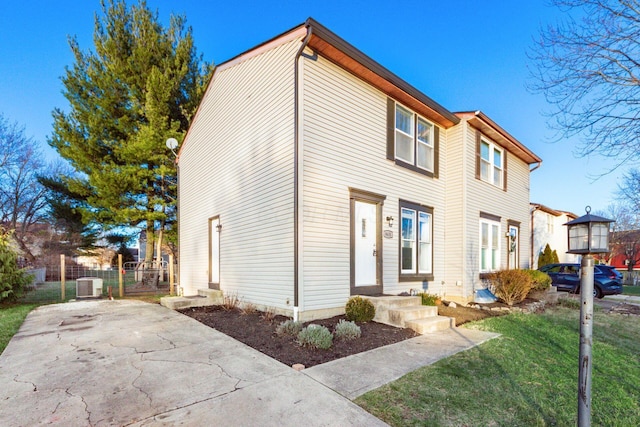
[(631, 290), (11, 317), (527, 377)]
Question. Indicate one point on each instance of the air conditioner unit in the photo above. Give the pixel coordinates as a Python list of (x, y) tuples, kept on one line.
[(88, 287)]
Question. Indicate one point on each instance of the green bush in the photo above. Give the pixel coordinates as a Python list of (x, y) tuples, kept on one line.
[(547, 256), (315, 336), (540, 281), (511, 286), (13, 280), (289, 327), (429, 299), (359, 309), (347, 330)]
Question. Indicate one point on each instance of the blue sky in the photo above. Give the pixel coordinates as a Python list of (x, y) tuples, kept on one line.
[(466, 55)]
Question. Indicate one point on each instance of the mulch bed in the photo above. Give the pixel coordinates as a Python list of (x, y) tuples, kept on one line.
[(253, 330)]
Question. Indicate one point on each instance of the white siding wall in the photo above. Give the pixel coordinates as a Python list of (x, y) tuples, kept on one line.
[(344, 146), (480, 196), (550, 229), (237, 162)]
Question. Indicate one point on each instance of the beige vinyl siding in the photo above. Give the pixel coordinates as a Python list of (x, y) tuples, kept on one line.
[(344, 146), (457, 256), (237, 162), (512, 204)]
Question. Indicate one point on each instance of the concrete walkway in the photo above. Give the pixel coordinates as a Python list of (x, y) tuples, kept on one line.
[(128, 363)]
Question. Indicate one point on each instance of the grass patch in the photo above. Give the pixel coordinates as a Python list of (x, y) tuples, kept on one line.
[(528, 376), (631, 290), (11, 317)]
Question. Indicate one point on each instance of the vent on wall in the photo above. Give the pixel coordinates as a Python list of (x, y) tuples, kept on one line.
[(88, 287)]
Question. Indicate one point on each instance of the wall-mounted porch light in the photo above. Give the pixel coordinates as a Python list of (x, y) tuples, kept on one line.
[(390, 221)]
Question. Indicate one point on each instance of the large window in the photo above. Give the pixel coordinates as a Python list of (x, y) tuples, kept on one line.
[(416, 242), (491, 163), (414, 141), (489, 245)]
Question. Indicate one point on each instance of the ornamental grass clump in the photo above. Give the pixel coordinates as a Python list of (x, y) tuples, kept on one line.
[(359, 309), (511, 286), (289, 327), (347, 330), (315, 336), (430, 299)]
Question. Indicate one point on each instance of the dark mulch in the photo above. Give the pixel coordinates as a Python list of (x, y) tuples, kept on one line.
[(253, 330)]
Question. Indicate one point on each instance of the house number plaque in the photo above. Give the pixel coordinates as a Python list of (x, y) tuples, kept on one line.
[(388, 234)]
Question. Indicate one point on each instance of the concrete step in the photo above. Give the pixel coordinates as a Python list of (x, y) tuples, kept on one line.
[(431, 324), (399, 316), (213, 294)]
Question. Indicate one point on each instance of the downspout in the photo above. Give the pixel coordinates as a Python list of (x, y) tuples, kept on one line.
[(296, 143), (531, 224)]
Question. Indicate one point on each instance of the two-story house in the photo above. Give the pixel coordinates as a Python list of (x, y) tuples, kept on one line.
[(312, 173), (547, 228)]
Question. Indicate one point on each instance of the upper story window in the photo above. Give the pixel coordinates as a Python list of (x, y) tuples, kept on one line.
[(412, 140), (491, 162)]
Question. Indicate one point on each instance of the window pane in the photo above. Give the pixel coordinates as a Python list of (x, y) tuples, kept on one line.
[(424, 132), (494, 236), (497, 176), (484, 151), (599, 234), (494, 259), (484, 170), (404, 120), (424, 242), (484, 227), (483, 259), (578, 237), (425, 156), (404, 147), (408, 241), (497, 158)]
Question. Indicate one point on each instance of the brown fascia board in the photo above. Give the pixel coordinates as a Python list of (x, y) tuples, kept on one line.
[(337, 50), (546, 209), (482, 122)]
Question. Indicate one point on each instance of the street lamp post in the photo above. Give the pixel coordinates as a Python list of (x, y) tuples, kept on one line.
[(588, 235)]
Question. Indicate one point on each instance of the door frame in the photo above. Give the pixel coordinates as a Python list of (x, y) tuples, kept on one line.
[(516, 225), (378, 200), (214, 222)]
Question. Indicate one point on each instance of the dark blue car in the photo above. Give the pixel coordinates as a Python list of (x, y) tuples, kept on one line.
[(566, 277)]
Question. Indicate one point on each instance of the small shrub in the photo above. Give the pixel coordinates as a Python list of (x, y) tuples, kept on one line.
[(315, 336), (347, 330), (511, 286), (289, 327), (540, 281), (268, 315), (430, 299), (248, 308), (230, 301), (13, 280), (359, 309)]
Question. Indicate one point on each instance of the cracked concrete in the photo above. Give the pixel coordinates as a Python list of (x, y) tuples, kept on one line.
[(128, 363)]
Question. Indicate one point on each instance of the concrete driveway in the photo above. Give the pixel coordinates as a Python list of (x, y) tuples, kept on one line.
[(128, 363)]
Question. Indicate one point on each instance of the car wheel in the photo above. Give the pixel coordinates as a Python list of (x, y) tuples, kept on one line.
[(597, 292)]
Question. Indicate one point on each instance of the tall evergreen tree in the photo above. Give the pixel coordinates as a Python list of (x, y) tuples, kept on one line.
[(140, 86)]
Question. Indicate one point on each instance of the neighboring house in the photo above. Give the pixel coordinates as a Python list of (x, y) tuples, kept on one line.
[(547, 227), (311, 173), (625, 250)]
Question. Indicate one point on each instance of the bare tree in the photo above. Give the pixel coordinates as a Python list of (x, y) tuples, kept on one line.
[(625, 233), (22, 198), (588, 68)]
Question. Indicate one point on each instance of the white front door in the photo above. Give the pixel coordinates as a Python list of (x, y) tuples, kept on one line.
[(513, 246), (366, 236)]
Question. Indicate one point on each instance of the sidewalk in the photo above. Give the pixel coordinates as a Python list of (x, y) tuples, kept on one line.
[(629, 299), (129, 363)]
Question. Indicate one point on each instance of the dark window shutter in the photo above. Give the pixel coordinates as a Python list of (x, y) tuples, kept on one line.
[(478, 137), (436, 151), (391, 129), (504, 176)]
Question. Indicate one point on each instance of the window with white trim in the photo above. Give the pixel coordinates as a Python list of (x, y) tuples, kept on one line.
[(416, 242), (489, 245), (491, 163), (414, 140)]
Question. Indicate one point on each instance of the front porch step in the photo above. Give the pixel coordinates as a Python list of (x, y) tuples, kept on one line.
[(431, 324), (400, 316)]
